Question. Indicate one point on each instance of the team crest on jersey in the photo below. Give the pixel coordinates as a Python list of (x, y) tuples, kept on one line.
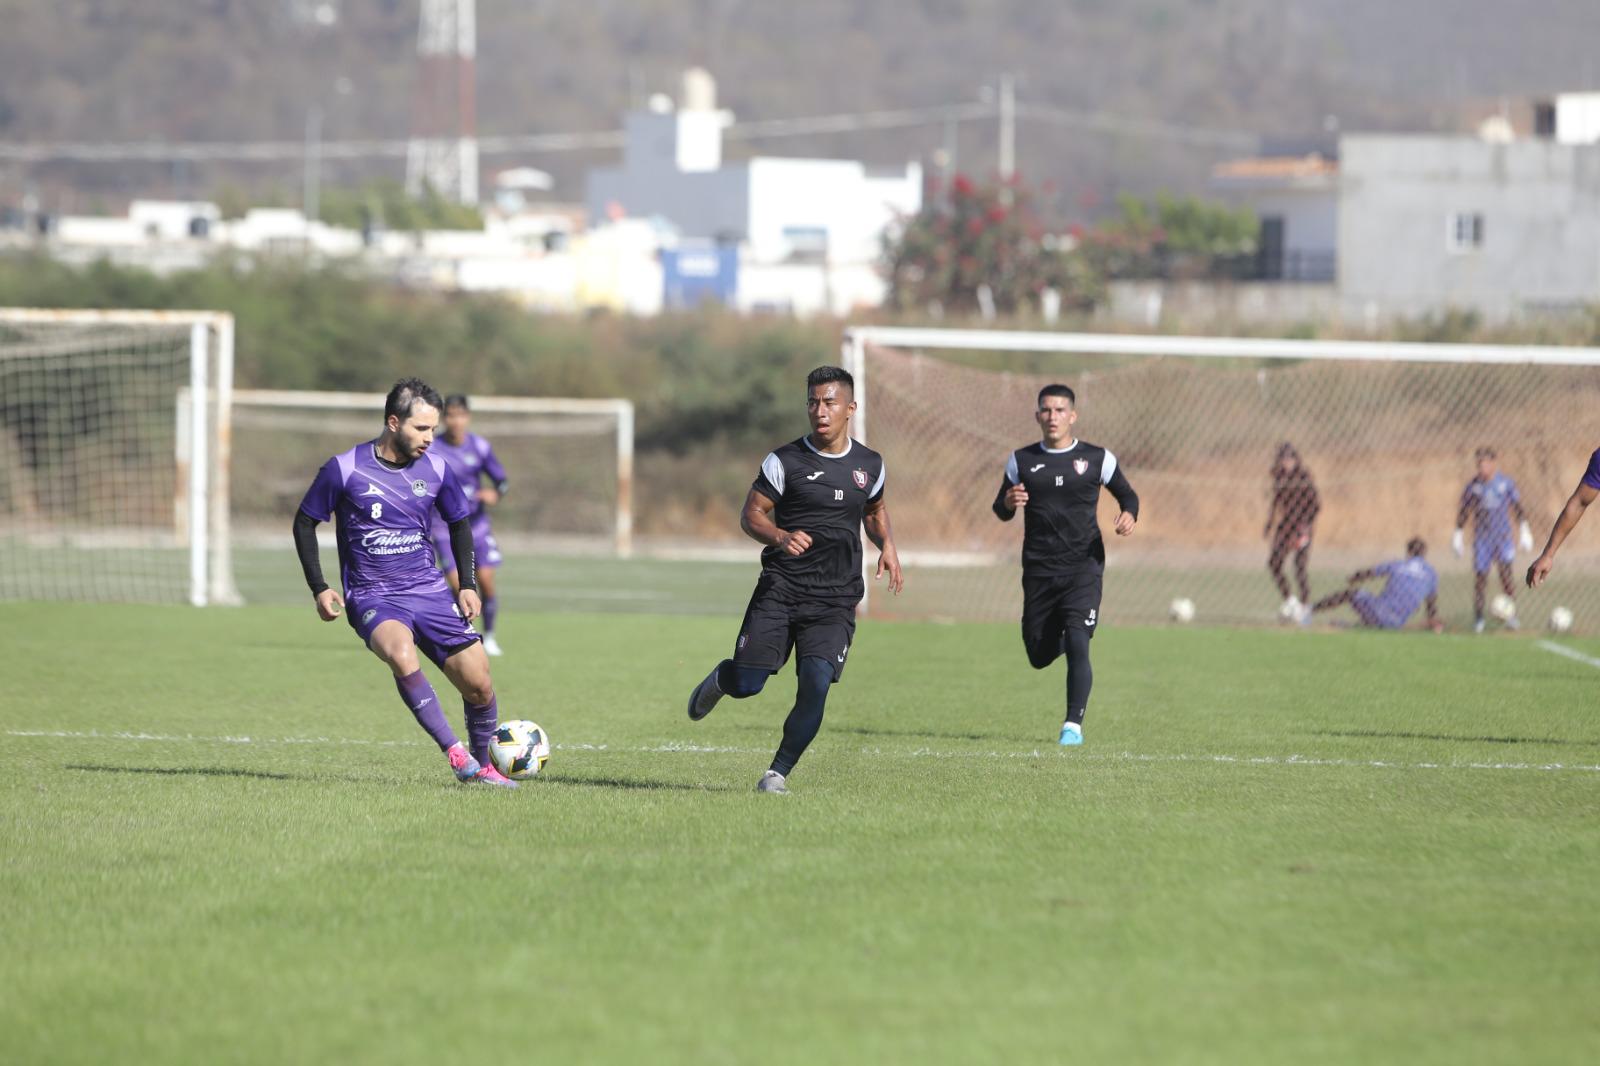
[(1080, 465), (419, 487), (859, 477)]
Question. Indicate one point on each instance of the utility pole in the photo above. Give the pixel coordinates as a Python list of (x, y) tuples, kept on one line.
[(1007, 104)]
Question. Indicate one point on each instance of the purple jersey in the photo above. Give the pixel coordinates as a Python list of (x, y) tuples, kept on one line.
[(383, 516), (1489, 503), (1591, 476), (1410, 582), (468, 462)]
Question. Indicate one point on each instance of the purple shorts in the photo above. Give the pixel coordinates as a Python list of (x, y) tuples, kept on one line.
[(432, 616), (483, 544)]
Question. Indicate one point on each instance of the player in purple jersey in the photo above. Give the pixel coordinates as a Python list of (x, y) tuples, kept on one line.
[(1490, 498), (470, 459), (1588, 488), (382, 495), (1410, 582)]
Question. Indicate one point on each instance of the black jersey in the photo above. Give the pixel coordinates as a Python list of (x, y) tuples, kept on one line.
[(1060, 530), (823, 496)]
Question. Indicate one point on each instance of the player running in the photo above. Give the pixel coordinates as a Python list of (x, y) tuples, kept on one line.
[(382, 495), (470, 459), (808, 505), (1295, 504), (1490, 498), (1582, 496), (1411, 581), (1057, 484)]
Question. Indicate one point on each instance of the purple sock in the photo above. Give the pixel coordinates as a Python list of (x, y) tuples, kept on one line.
[(424, 705), (491, 607), (481, 722)]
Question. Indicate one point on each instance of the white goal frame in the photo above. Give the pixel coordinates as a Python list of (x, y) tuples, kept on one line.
[(858, 339), (203, 437), (618, 409)]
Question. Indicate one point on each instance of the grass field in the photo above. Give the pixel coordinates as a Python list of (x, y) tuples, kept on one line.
[(225, 840)]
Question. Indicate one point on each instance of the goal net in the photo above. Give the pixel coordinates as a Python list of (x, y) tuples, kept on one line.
[(113, 460), (1387, 432), (569, 463)]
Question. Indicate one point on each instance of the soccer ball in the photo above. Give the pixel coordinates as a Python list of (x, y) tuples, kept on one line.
[(519, 749), (1503, 607), (1560, 619), (1182, 609), (1289, 610)]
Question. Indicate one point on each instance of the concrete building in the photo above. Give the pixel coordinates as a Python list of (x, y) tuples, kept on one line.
[(1430, 223), (820, 214), (1297, 200)]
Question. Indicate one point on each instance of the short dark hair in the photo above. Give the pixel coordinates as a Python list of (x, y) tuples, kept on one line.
[(1057, 390), (1416, 546), (406, 394), (1484, 452), (456, 399), (827, 375)]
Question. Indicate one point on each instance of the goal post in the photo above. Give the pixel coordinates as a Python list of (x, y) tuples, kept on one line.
[(115, 444), (1387, 430), (569, 461)]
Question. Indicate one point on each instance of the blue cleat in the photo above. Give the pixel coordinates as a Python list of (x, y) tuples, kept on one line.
[(1071, 735)]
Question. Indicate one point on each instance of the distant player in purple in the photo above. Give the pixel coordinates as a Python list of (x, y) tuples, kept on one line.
[(1411, 582), (1490, 499), (382, 496), (1588, 488), (470, 459)]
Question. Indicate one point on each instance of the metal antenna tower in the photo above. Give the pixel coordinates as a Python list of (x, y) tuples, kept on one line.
[(443, 150)]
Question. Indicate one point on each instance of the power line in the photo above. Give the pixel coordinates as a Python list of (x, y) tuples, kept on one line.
[(849, 122)]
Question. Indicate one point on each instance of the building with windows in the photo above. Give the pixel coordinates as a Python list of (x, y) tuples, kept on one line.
[(1505, 228)]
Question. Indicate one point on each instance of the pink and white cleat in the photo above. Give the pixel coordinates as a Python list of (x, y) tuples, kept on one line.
[(488, 775), (462, 764)]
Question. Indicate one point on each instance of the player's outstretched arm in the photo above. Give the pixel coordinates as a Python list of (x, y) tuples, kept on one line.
[(329, 603), (1577, 503), (1433, 613), (875, 520), (756, 521)]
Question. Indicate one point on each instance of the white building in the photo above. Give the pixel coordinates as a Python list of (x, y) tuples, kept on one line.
[(1297, 200), (827, 216)]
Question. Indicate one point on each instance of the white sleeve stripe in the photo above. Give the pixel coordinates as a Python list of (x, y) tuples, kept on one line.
[(1108, 466), (772, 467), (1012, 474), (883, 472)]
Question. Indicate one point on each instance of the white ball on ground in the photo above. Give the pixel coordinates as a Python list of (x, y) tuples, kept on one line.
[(519, 749), (1182, 610), (1560, 619), (1503, 607)]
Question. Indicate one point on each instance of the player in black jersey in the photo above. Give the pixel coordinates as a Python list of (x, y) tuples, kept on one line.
[(808, 505), (1057, 484)]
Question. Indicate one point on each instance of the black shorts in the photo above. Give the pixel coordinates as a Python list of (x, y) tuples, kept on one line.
[(1053, 604), (779, 619)]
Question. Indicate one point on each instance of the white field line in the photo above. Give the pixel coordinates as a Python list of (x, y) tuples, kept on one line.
[(1575, 656), (908, 753)]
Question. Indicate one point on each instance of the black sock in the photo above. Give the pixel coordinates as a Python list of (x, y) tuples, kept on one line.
[(800, 728), (1080, 676)]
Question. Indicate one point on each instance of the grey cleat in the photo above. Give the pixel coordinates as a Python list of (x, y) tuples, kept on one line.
[(772, 781), (704, 697)]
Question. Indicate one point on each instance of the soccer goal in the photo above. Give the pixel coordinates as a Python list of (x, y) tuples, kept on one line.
[(569, 462), (1386, 430), (114, 455)]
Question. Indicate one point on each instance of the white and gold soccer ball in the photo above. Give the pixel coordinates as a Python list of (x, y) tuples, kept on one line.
[(1560, 619), (1182, 610), (519, 749), (1503, 607)]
